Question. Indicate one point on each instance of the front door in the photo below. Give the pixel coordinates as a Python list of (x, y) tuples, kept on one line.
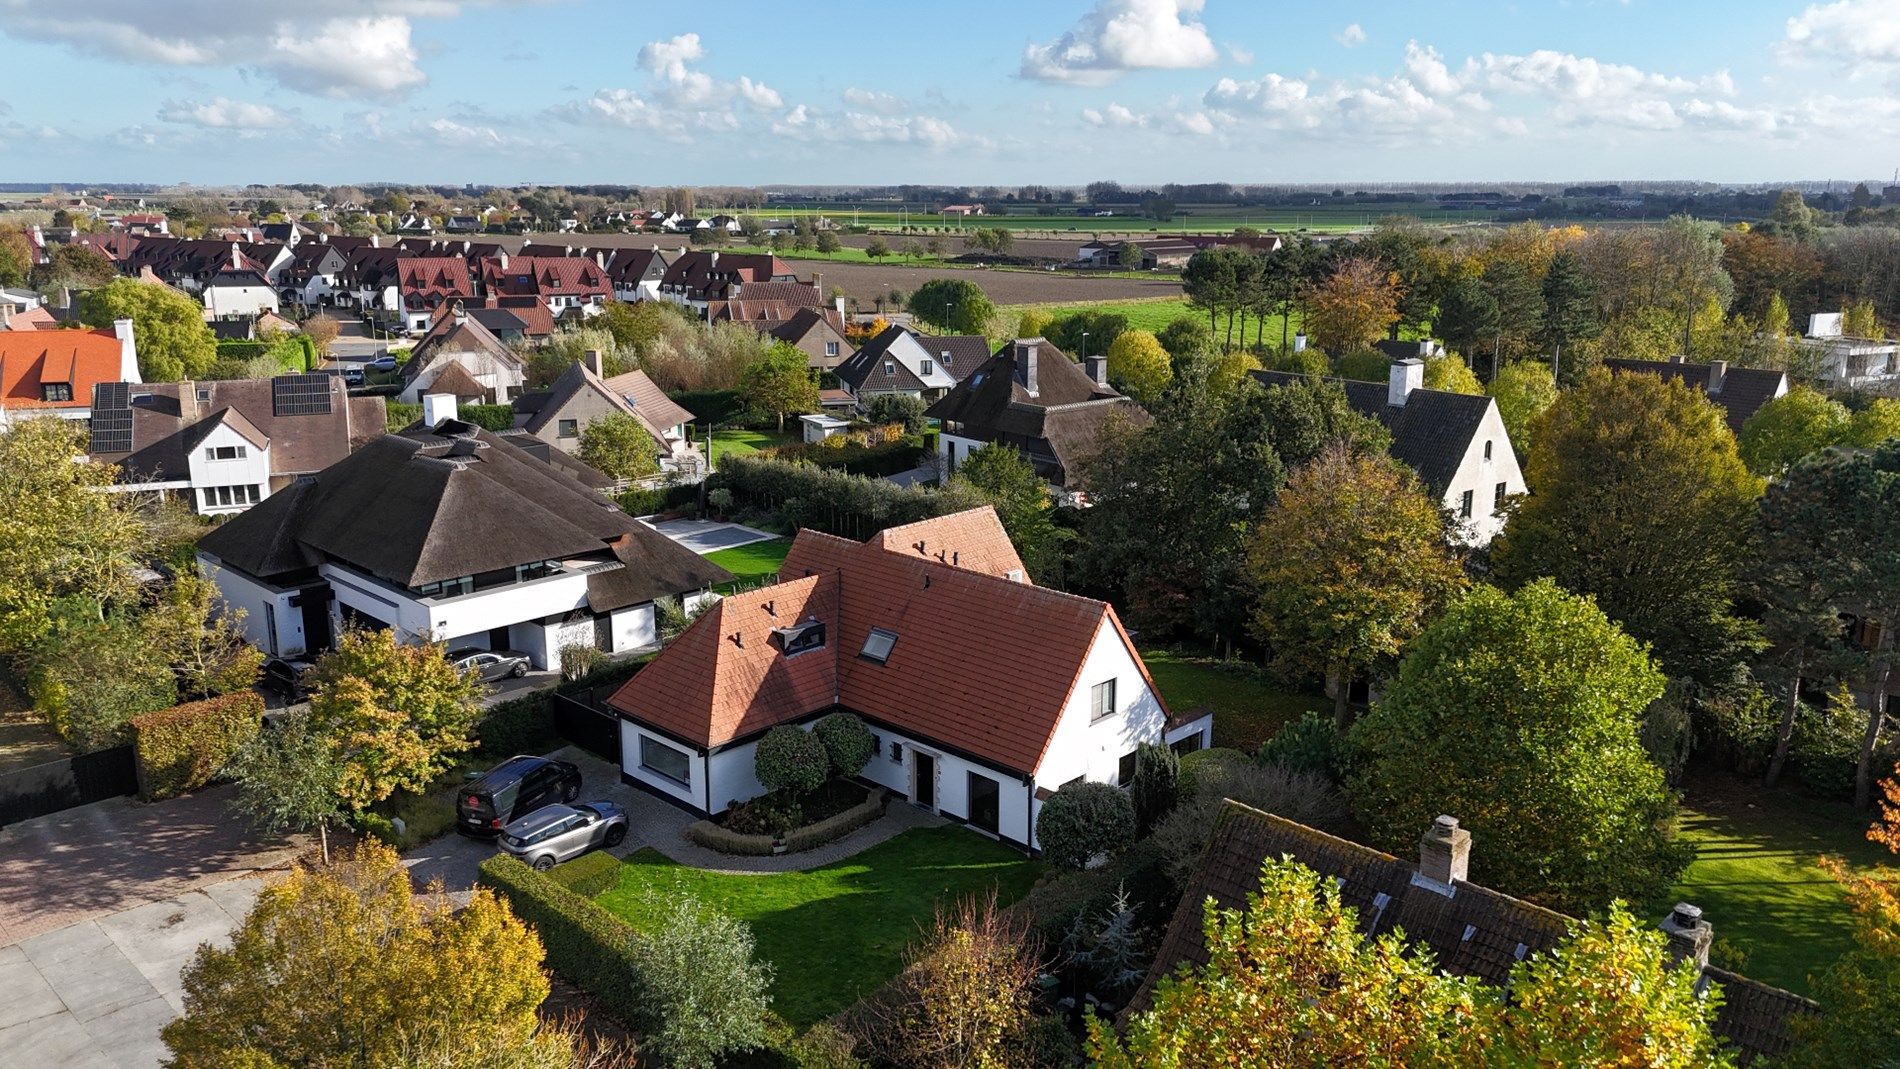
[(923, 779)]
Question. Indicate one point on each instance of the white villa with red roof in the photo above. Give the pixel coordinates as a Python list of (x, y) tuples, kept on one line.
[(985, 692)]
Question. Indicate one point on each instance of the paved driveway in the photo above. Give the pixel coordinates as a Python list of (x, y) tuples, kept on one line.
[(705, 536)]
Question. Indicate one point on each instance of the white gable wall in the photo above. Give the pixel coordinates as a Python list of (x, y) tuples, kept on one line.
[(1093, 750), (250, 470), (1481, 477)]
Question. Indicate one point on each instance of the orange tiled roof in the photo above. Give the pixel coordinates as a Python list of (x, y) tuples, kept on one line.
[(981, 663), (32, 358), (32, 319)]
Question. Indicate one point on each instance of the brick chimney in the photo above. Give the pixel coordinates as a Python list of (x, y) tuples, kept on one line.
[(1026, 367), (1097, 367), (1718, 374), (1444, 851), (1689, 935), (591, 358), (1403, 377)]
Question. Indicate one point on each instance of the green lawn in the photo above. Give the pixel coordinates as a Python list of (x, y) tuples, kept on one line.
[(1248, 707), (739, 440), (836, 933), (1757, 879), (753, 563)]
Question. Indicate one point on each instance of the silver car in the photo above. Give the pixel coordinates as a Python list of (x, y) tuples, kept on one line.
[(555, 833), (491, 665)]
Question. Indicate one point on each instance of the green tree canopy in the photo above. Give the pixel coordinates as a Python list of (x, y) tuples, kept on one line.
[(16, 257), (1021, 498), (1291, 981), (781, 382), (1452, 375), (1467, 316), (168, 326), (1523, 389), (618, 446), (1347, 566), (1875, 422), (395, 712), (1139, 365), (1798, 423), (1518, 714), (1639, 498), (953, 305)]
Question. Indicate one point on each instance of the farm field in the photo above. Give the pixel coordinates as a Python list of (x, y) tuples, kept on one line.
[(867, 282)]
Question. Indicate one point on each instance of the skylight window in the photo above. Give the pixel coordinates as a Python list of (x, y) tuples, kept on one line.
[(877, 645)]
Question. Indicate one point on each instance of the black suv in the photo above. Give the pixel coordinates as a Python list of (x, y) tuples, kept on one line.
[(517, 786), (289, 677)]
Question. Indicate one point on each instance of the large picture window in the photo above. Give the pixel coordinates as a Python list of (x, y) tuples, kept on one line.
[(663, 760), (985, 803)]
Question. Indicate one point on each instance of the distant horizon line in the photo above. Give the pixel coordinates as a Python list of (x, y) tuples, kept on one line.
[(1350, 184)]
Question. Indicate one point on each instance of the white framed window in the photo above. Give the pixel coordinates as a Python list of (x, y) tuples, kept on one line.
[(890, 367), (224, 452), (1102, 700), (877, 645), (927, 367), (831, 348), (1497, 496), (665, 761)]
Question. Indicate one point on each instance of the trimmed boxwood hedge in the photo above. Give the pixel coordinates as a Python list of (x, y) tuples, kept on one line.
[(713, 837), (523, 725), (586, 944), (184, 747), (588, 874)]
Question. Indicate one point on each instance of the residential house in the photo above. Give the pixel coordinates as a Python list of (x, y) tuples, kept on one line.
[(1470, 930), (144, 223), (900, 360), (239, 288), (582, 395), (1058, 694), (1842, 362), (452, 533), (427, 284), (1455, 443), (1738, 391), (727, 223), (764, 305), (311, 280), (53, 372), (961, 209), (463, 224), (565, 284), (371, 281), (1031, 397), (290, 234), (818, 333), (414, 223), (635, 273), (225, 446), (696, 277), (464, 359)]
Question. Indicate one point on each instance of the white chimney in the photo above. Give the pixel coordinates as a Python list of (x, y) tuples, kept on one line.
[(128, 351), (1299, 342), (592, 359), (1825, 325), (1718, 372), (437, 407), (1404, 377)]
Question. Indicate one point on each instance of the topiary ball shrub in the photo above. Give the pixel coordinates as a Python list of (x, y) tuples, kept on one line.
[(847, 743), (791, 758), (1083, 820)]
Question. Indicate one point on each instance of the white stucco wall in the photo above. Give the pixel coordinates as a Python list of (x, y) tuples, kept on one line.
[(964, 447), (692, 792), (635, 628), (252, 469), (1094, 750), (1481, 477), (263, 605), (240, 300)]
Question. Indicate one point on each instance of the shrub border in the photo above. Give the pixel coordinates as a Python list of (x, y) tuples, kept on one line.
[(585, 943), (183, 747), (713, 837)]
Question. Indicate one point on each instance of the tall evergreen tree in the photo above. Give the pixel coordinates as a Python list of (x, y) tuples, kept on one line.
[(1570, 311)]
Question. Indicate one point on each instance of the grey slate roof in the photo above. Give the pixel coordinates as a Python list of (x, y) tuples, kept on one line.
[(1743, 389), (1472, 931), (428, 505), (864, 371), (1431, 433), (1054, 427)]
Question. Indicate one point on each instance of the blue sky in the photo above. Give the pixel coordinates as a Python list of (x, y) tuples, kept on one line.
[(1049, 91)]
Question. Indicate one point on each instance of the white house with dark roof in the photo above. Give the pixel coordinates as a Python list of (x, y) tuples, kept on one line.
[(448, 532), (1456, 443)]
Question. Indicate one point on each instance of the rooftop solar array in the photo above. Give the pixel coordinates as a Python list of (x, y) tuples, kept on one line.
[(111, 418), (300, 395)]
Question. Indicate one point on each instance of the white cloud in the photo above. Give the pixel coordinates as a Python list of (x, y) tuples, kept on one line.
[(1123, 35), (222, 113), (1352, 36), (336, 48), (759, 95), (450, 133), (810, 124), (1242, 56), (875, 100), (1863, 30), (1114, 115)]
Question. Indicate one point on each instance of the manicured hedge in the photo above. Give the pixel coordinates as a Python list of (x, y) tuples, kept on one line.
[(586, 944), (588, 874), (875, 461), (523, 725), (183, 748), (719, 406), (834, 501), (643, 502), (492, 417), (834, 827)]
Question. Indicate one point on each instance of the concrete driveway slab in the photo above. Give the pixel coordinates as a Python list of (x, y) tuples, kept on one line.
[(92, 984), (56, 1042), (28, 995), (159, 938)]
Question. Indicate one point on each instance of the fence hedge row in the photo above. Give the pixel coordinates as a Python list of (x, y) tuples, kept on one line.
[(836, 501), (184, 747)]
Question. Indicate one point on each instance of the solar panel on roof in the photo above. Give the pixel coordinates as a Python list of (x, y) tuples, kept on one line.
[(111, 418), (300, 395)]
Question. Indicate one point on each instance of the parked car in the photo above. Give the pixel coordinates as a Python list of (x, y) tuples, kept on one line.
[(492, 664), (512, 790), (288, 676), (555, 833), (384, 362), (351, 376)]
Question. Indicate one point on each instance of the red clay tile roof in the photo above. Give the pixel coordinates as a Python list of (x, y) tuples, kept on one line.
[(31, 358), (32, 319), (545, 276), (723, 680), (430, 281)]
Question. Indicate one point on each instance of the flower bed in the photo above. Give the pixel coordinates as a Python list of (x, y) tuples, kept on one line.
[(836, 826)]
